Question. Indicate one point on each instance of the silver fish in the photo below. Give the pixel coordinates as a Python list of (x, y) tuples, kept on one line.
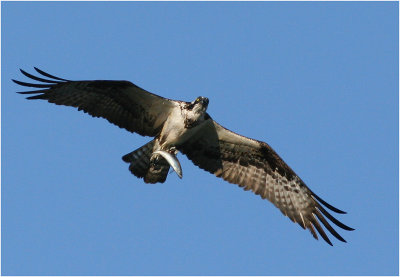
[(172, 160)]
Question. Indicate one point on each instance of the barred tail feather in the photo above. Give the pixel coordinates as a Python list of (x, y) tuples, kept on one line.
[(141, 167)]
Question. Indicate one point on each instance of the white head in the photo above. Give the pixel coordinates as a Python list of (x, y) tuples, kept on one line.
[(195, 112), (199, 105)]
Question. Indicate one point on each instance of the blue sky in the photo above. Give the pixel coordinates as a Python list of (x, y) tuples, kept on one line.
[(317, 81)]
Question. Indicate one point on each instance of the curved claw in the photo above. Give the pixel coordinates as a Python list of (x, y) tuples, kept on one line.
[(172, 160)]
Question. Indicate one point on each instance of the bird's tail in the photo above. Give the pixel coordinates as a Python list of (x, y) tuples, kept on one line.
[(140, 165)]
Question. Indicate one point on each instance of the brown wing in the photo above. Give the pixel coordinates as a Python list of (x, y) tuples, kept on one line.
[(255, 166), (120, 102)]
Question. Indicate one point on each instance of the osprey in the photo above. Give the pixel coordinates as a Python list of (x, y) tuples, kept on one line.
[(187, 127)]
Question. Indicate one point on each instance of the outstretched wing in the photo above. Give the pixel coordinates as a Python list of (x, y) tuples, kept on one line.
[(255, 166), (120, 102)]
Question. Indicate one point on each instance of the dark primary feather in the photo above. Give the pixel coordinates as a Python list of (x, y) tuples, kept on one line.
[(50, 76), (120, 102), (41, 79), (255, 166)]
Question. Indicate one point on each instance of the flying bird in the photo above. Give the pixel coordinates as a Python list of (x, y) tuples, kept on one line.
[(186, 127)]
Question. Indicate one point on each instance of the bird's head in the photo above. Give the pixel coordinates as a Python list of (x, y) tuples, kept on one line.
[(199, 105)]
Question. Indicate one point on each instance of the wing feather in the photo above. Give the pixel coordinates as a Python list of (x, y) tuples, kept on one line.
[(255, 166), (120, 102)]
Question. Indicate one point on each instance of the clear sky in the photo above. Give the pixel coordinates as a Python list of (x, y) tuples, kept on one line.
[(317, 81)]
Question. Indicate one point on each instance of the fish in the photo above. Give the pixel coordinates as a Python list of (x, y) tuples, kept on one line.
[(172, 160)]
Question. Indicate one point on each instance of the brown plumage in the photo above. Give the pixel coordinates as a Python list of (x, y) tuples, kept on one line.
[(255, 166), (186, 127)]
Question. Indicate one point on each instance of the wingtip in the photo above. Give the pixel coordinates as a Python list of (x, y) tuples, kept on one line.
[(23, 71), (49, 75), (38, 70), (327, 240), (329, 206)]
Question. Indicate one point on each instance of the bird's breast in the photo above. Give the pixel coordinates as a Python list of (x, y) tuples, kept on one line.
[(175, 131)]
